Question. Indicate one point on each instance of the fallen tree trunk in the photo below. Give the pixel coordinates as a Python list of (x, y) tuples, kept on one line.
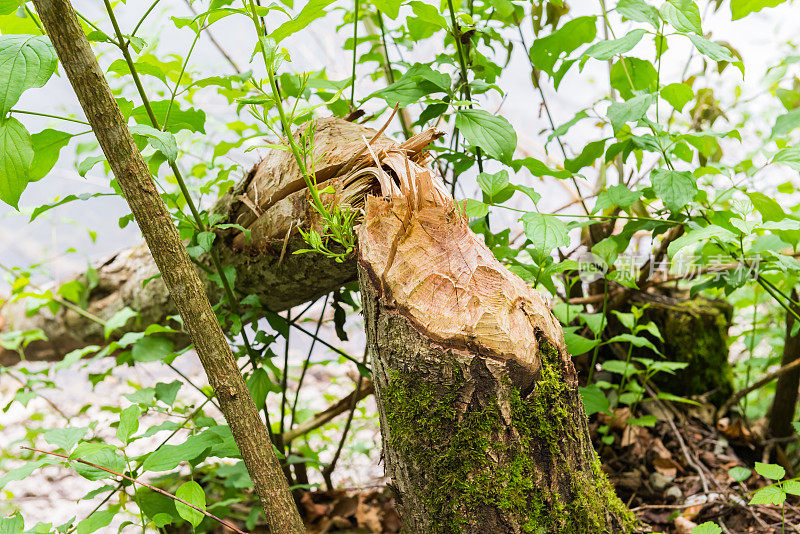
[(273, 203), (483, 426)]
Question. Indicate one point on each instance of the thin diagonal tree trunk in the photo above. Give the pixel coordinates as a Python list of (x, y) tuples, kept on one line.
[(483, 427), (179, 274)]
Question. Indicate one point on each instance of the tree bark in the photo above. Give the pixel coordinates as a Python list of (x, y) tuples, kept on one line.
[(483, 426), (784, 403), (178, 272), (272, 202)]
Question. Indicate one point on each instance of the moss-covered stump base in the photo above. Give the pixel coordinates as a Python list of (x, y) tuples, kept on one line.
[(468, 451)]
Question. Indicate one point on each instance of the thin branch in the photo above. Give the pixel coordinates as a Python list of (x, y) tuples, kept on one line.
[(736, 397)]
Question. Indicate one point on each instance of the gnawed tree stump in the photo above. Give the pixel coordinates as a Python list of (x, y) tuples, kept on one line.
[(483, 426), (272, 201)]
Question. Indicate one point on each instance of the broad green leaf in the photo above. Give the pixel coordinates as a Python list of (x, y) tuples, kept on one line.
[(99, 454), (769, 209), (167, 391), (605, 50), (577, 345), (545, 232), (9, 6), (313, 10), (631, 110), (12, 525), (645, 420), (205, 240), (683, 15), (26, 61), (24, 471), (715, 51), (169, 456), (769, 495), (786, 122), (633, 74), (192, 493), (418, 81), (65, 438), (475, 208), (675, 188), (144, 396), (16, 155), (259, 386), (493, 184), (537, 168), (47, 144), (164, 142), (616, 195), (545, 52), (739, 473), (492, 133), (789, 157), (119, 319), (69, 198), (179, 119), (639, 11), (770, 471), (390, 8), (704, 234), (636, 341), (742, 8), (594, 400), (96, 521), (86, 165), (677, 94), (707, 528), (152, 349), (128, 423), (619, 367)]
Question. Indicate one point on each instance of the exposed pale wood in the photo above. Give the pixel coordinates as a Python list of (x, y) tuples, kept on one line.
[(447, 323)]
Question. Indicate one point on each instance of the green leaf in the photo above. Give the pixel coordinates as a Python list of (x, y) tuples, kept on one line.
[(47, 145), (769, 209), (545, 232), (192, 493), (390, 8), (677, 94), (739, 473), (631, 110), (537, 168), (9, 6), (86, 165), (179, 119), (742, 8), (770, 471), (631, 70), (789, 157), (683, 15), (99, 454), (492, 133), (152, 349), (493, 184), (605, 50), (128, 423), (418, 81), (22, 472), (707, 528), (313, 10), (26, 61), (65, 438), (675, 188), (545, 52), (594, 400), (69, 198), (16, 155), (205, 240), (164, 142), (144, 396), (167, 391), (645, 420), (588, 155), (259, 386), (119, 319), (169, 456), (96, 521), (577, 345), (769, 495), (786, 122), (12, 525), (704, 234), (616, 195), (475, 208), (638, 11), (715, 51)]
